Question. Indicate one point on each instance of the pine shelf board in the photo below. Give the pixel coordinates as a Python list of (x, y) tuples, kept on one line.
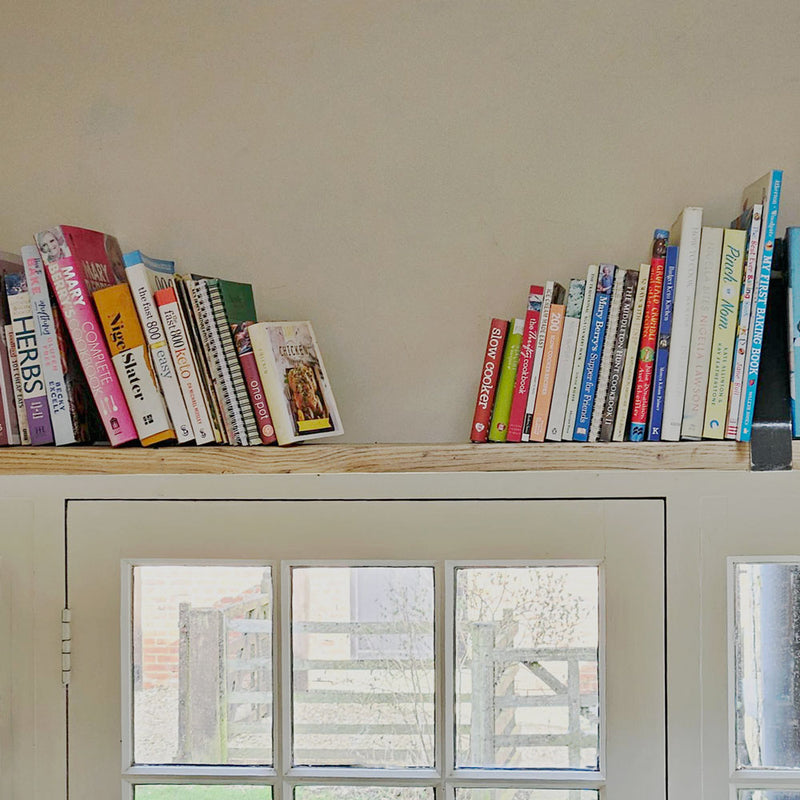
[(375, 458)]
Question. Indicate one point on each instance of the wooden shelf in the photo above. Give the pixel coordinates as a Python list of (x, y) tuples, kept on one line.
[(375, 458)]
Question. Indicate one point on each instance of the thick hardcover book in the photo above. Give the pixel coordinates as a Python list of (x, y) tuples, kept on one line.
[(751, 223), (629, 369), (662, 355), (618, 352), (553, 293), (722, 345), (767, 192), (230, 355), (32, 380), (498, 427), (130, 354), (603, 374), (566, 358), (594, 351), (65, 428), (685, 234), (576, 378), (240, 310), (490, 371), (793, 275), (146, 275), (705, 301), (649, 341), (177, 339), (296, 382), (522, 385), (547, 375), (78, 263)]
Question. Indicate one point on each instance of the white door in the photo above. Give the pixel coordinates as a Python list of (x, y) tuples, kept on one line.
[(218, 651)]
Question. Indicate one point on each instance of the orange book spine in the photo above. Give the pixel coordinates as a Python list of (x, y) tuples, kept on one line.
[(544, 392)]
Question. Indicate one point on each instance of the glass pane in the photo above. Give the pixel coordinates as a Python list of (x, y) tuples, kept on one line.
[(767, 657), (362, 666), (202, 665), (527, 667), (172, 792), (363, 793), (768, 794), (526, 794)]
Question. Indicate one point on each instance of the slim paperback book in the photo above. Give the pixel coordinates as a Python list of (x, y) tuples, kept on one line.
[(527, 351)]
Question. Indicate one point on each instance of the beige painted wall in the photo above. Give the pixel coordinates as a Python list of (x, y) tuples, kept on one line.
[(398, 171)]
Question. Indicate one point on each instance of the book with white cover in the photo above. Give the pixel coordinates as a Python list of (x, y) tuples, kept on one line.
[(566, 357), (629, 368), (608, 352), (685, 234), (705, 303), (576, 379)]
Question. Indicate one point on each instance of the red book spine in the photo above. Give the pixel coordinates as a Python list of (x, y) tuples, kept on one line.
[(522, 385), (252, 377), (488, 385), (648, 341)]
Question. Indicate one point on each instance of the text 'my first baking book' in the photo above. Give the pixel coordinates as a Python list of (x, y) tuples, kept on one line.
[(78, 263), (299, 393)]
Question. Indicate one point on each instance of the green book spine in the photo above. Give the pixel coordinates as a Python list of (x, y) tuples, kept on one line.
[(498, 430), (722, 343)]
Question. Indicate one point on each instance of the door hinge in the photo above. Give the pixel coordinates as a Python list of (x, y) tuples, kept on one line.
[(66, 645)]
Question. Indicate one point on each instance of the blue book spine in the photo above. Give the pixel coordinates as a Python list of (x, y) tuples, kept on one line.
[(594, 351), (770, 223), (793, 258), (662, 351)]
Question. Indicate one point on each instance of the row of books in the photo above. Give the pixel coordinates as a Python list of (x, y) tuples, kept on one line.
[(668, 351), (100, 346)]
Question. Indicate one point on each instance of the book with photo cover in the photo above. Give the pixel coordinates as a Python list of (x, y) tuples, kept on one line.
[(296, 383)]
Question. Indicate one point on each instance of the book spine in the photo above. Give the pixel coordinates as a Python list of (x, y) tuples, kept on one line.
[(793, 274), (8, 406), (605, 282), (159, 351), (258, 398), (505, 383), (541, 335), (47, 340), (683, 310), (270, 380), (663, 350), (629, 370), (649, 341), (708, 268), (492, 361), (74, 301), (574, 396), (756, 333), (16, 379), (172, 320), (237, 385), (722, 345), (566, 358), (618, 353), (743, 329), (544, 397), (29, 362), (522, 385), (603, 374)]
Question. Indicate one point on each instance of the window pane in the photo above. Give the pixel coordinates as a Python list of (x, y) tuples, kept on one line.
[(767, 647), (202, 665), (526, 794), (363, 793), (362, 666), (527, 667), (172, 792), (768, 794)]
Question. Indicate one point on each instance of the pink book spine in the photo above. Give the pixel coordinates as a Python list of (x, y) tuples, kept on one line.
[(75, 303)]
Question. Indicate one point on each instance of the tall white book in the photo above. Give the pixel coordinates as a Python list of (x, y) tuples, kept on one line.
[(705, 303), (566, 357), (629, 368), (685, 233), (580, 354)]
